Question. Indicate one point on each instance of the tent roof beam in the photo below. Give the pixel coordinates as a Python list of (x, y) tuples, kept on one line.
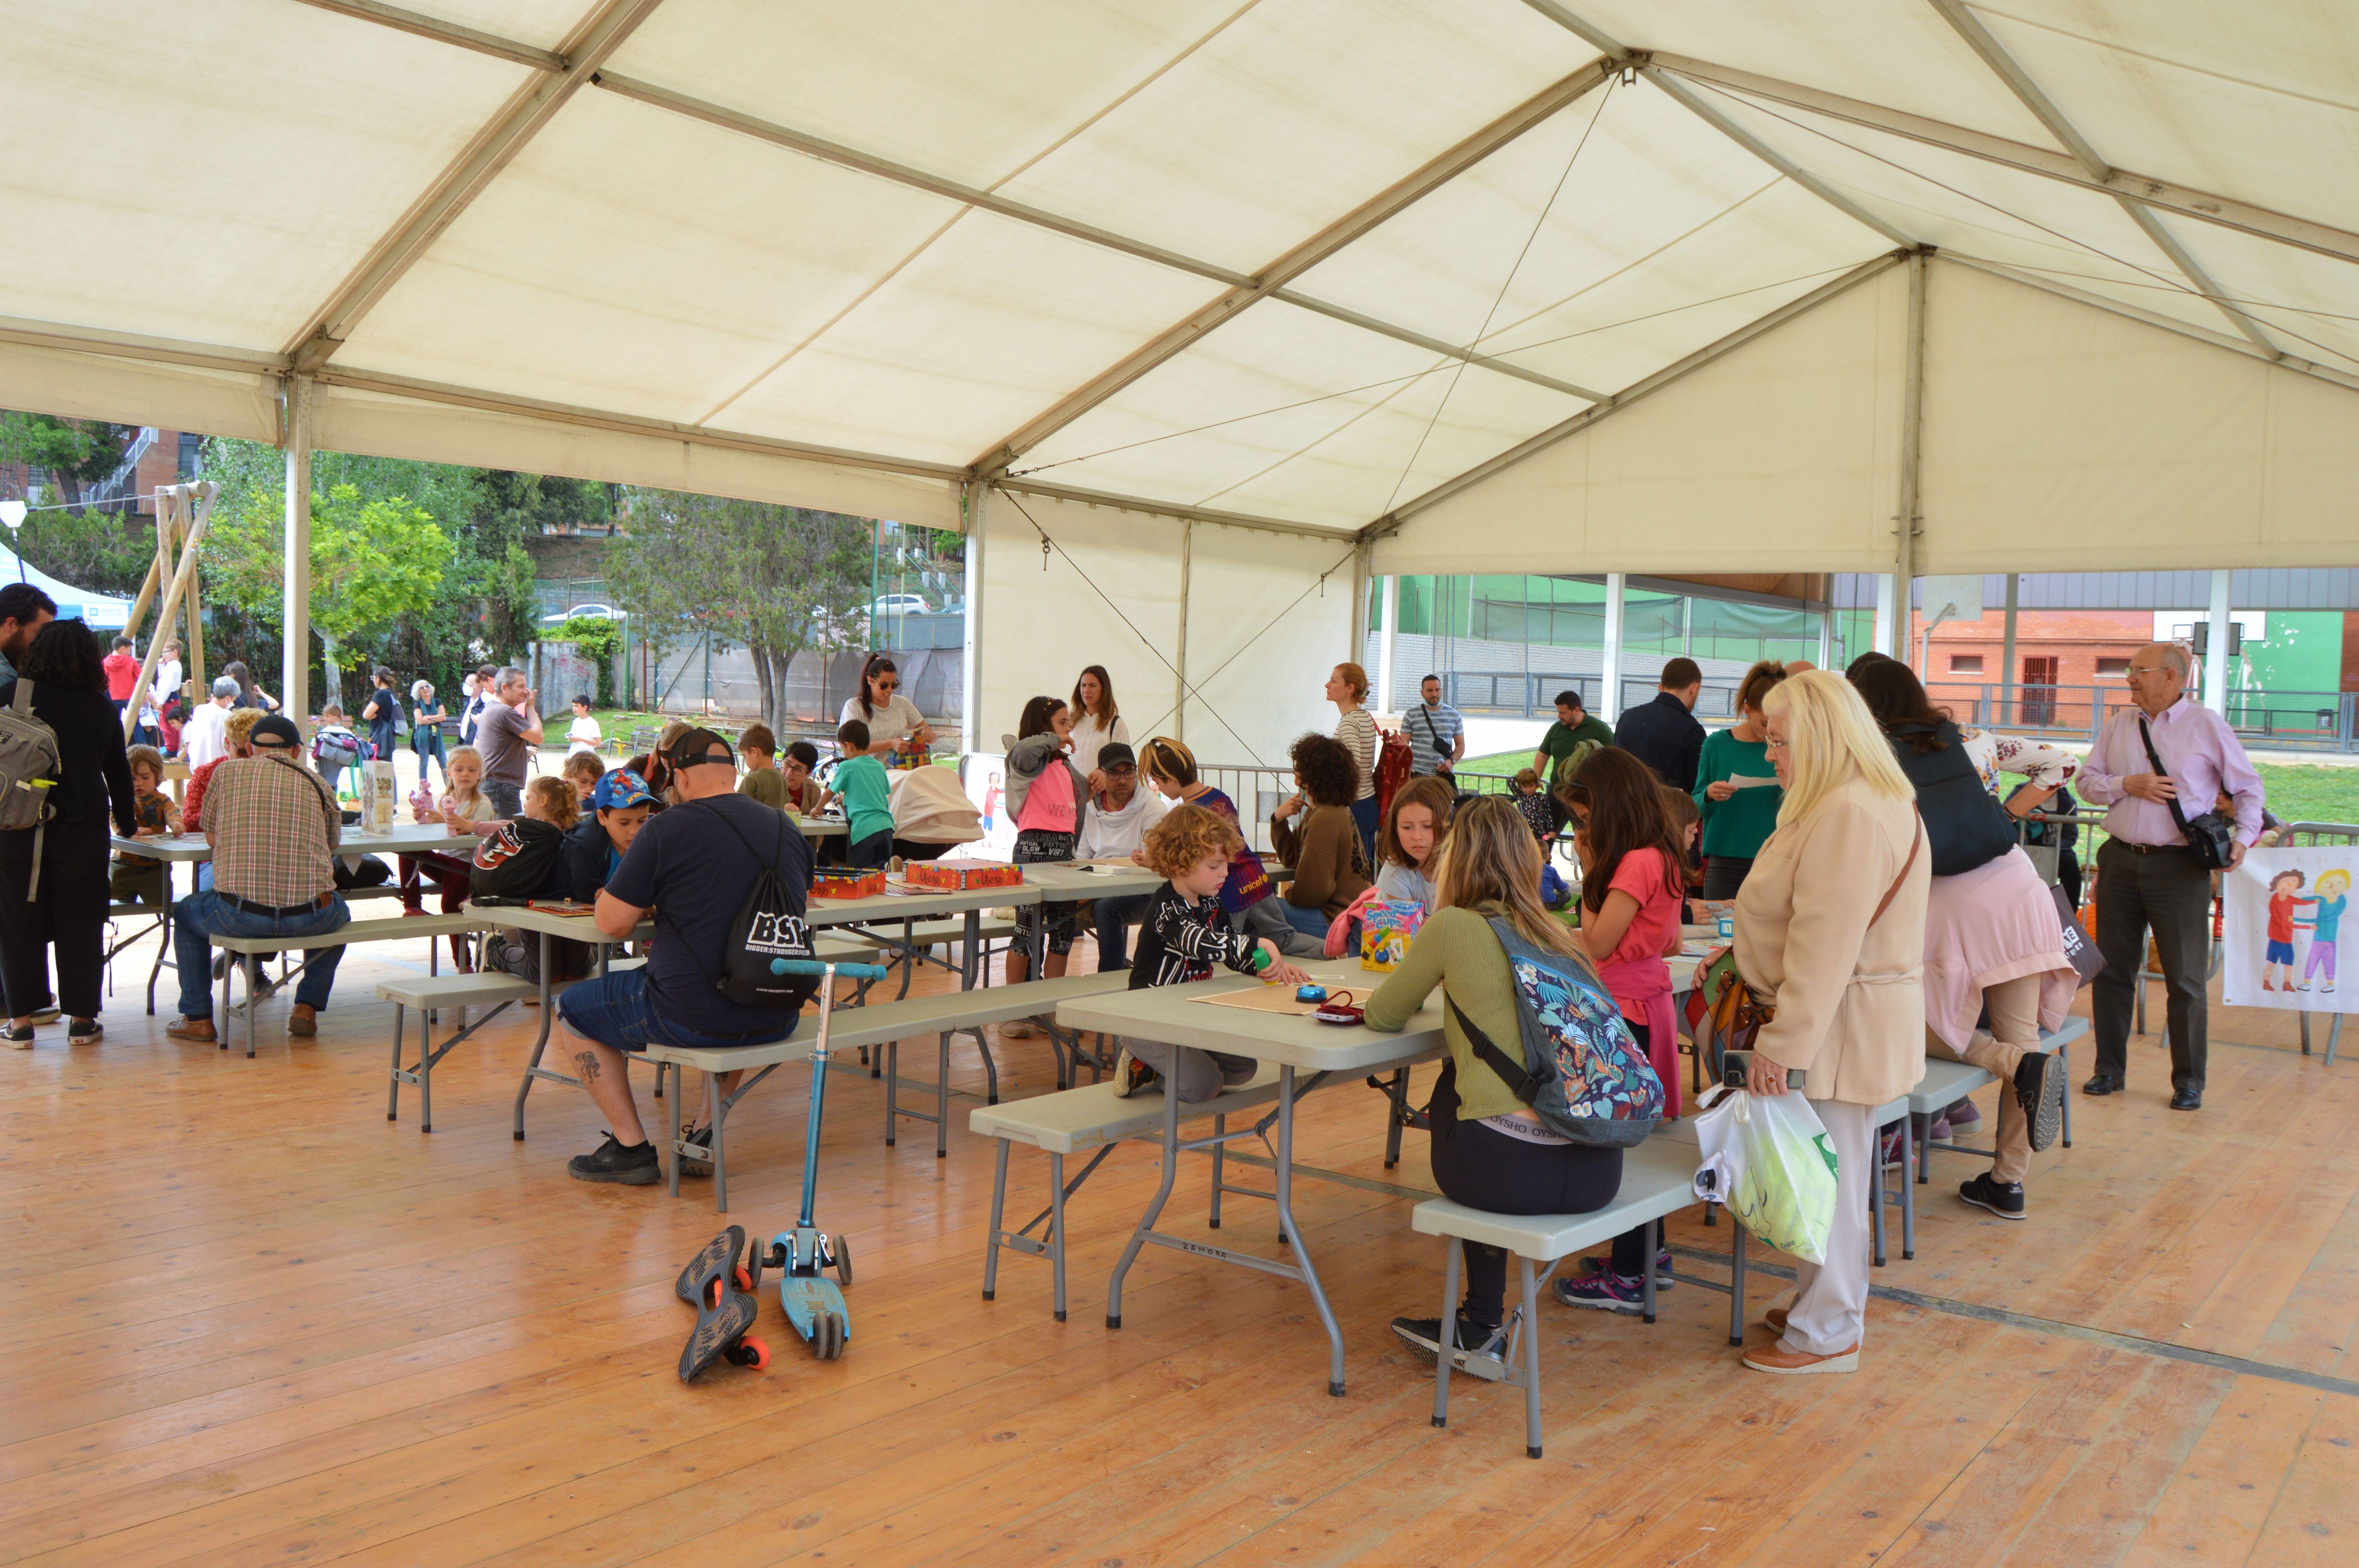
[(468, 175), (1166, 508), (2258, 222), (2007, 69), (435, 28), (1402, 194), (1023, 212), (1441, 493)]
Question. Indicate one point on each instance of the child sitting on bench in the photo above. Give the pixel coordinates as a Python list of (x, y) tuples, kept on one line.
[(1184, 935)]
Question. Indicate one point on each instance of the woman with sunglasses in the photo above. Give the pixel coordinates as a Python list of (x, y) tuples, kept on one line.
[(891, 718)]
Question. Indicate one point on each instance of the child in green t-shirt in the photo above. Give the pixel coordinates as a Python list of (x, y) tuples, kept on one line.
[(867, 799)]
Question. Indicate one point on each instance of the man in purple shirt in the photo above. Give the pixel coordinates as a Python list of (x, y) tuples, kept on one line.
[(2148, 877)]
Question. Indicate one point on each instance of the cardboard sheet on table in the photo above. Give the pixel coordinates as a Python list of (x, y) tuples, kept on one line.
[(1277, 998)]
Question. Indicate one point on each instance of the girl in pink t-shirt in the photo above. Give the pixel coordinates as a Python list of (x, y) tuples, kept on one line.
[(1046, 794), (1631, 896)]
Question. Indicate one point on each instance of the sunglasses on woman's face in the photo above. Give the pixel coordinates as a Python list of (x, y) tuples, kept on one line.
[(888, 686)]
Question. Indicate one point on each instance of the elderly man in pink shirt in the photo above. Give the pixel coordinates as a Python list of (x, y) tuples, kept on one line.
[(2147, 876)]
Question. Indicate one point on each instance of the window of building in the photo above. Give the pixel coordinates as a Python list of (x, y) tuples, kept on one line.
[(2117, 665), (1965, 663)]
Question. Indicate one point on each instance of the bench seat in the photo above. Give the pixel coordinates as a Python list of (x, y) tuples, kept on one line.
[(253, 949), (1657, 1179)]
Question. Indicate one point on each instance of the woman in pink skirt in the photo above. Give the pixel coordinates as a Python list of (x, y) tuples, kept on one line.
[(1994, 943)]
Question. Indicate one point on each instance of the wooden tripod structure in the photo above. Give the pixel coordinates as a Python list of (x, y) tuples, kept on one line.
[(181, 513)]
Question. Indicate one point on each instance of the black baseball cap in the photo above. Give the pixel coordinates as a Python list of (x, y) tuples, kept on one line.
[(1117, 754), (276, 730), (695, 749)]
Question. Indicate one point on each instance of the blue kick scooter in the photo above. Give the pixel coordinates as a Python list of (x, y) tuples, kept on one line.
[(813, 1304)]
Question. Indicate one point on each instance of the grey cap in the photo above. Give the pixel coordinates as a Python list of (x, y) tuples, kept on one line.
[(225, 685)]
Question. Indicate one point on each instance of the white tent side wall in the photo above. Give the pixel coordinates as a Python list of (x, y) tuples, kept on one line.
[(1782, 453), (1041, 622), (2060, 437), (348, 419), (1263, 631), (126, 391)]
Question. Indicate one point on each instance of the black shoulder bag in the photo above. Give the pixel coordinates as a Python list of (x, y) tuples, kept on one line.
[(2211, 836)]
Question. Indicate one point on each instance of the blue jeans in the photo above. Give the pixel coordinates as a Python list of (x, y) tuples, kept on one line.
[(618, 1012), (1114, 917), (1367, 818), (1309, 921), (425, 740), (208, 914)]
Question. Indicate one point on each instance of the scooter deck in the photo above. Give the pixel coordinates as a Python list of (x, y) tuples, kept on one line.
[(716, 1260), (721, 1290)]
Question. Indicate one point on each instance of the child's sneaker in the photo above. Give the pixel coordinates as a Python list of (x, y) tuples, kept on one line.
[(1476, 1341), (1133, 1076), (1663, 1281), (1604, 1290)]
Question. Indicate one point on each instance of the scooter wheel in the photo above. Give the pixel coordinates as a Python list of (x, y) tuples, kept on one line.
[(757, 1354), (835, 1333), (842, 1261), (744, 1280), (715, 1292)]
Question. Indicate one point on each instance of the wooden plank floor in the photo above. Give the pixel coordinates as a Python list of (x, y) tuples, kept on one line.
[(248, 1320)]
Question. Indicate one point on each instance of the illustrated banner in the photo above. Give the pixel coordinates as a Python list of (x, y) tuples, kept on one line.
[(2285, 930)]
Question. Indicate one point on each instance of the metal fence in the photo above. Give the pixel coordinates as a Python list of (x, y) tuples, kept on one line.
[(2282, 720)]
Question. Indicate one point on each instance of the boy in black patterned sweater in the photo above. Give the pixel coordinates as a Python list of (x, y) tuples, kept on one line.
[(1184, 934)]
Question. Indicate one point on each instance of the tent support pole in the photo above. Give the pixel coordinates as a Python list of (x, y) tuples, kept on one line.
[(1912, 420), (1387, 643), (2006, 675), (971, 676), (1362, 580), (1616, 603), (2215, 648), (1179, 663), (1826, 622), (295, 656)]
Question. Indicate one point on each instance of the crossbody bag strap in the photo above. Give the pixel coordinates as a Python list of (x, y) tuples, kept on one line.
[(23, 703), (2177, 816), (1916, 838), (1520, 1083)]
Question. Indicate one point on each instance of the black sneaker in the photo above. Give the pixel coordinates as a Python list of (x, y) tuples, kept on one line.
[(633, 1167), (2039, 1090), (690, 1165), (2003, 1199), (1476, 1341), (84, 1032)]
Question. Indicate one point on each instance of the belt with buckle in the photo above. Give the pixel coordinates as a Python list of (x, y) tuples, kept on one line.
[(278, 912), (2150, 848)]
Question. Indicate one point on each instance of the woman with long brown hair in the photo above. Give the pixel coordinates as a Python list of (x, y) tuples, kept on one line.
[(1096, 720), (1490, 1151)]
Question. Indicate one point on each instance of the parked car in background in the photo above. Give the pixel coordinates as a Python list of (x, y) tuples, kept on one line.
[(900, 604), (581, 612)]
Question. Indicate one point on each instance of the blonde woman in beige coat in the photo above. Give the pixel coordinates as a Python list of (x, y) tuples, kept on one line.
[(1846, 982)]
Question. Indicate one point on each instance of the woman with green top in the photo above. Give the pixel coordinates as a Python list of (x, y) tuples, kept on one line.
[(1490, 1151), (1736, 789)]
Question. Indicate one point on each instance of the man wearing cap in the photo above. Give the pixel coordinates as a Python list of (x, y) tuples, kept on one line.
[(691, 866), (1114, 826), (274, 828), (204, 739)]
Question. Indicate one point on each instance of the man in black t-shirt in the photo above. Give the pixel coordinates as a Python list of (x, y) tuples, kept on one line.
[(692, 867)]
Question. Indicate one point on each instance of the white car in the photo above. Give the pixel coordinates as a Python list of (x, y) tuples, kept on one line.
[(581, 612), (900, 604)]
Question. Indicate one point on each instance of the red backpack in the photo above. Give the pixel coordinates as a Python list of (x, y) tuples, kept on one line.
[(1395, 760)]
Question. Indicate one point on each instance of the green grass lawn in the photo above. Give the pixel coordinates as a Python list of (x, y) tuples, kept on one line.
[(2297, 792)]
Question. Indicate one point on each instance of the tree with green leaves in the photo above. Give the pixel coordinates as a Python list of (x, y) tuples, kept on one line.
[(73, 453), (773, 579), (373, 561)]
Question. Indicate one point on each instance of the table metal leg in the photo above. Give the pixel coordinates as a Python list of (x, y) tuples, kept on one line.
[(1155, 1205), (942, 1100), (1532, 1350), (1737, 1281), (998, 1220), (970, 959), (1285, 1220), (532, 1068), (889, 1057), (1057, 1225)]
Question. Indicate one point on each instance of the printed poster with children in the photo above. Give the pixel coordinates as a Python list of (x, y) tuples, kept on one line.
[(2285, 928)]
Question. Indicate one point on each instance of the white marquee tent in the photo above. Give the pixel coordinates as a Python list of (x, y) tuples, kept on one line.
[(1239, 301)]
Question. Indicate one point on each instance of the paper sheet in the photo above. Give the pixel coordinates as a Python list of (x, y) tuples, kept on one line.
[(1751, 781)]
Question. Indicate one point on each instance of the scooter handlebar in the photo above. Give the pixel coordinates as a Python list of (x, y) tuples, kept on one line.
[(814, 967)]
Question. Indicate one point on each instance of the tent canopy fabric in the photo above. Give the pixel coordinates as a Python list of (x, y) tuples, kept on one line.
[(1307, 264)]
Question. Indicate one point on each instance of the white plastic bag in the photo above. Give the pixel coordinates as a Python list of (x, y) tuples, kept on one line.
[(1774, 1167)]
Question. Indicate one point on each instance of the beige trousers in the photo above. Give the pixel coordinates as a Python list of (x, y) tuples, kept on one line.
[(2014, 1033), (1831, 1299)]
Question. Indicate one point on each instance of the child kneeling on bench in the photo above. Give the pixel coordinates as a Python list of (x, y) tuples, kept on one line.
[(1185, 933)]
